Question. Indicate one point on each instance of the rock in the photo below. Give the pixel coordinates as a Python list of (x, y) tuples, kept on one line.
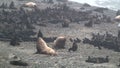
[(18, 63), (15, 60), (97, 59), (12, 56)]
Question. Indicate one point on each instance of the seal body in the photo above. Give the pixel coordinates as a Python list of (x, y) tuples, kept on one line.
[(30, 4), (59, 43), (43, 48)]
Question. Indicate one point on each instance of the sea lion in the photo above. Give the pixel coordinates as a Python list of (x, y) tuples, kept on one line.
[(43, 48), (30, 4), (59, 43)]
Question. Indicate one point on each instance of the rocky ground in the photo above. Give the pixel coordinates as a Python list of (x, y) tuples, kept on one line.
[(26, 51), (64, 59)]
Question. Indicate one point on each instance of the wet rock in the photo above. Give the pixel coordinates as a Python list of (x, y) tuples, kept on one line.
[(18, 63), (86, 5), (15, 41), (101, 10), (89, 24), (65, 24), (107, 41), (15, 60), (97, 59)]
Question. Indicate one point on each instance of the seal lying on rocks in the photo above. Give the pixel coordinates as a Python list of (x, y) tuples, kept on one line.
[(59, 43), (42, 48)]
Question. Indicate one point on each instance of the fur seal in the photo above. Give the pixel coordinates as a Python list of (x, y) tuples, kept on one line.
[(59, 43), (43, 48)]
